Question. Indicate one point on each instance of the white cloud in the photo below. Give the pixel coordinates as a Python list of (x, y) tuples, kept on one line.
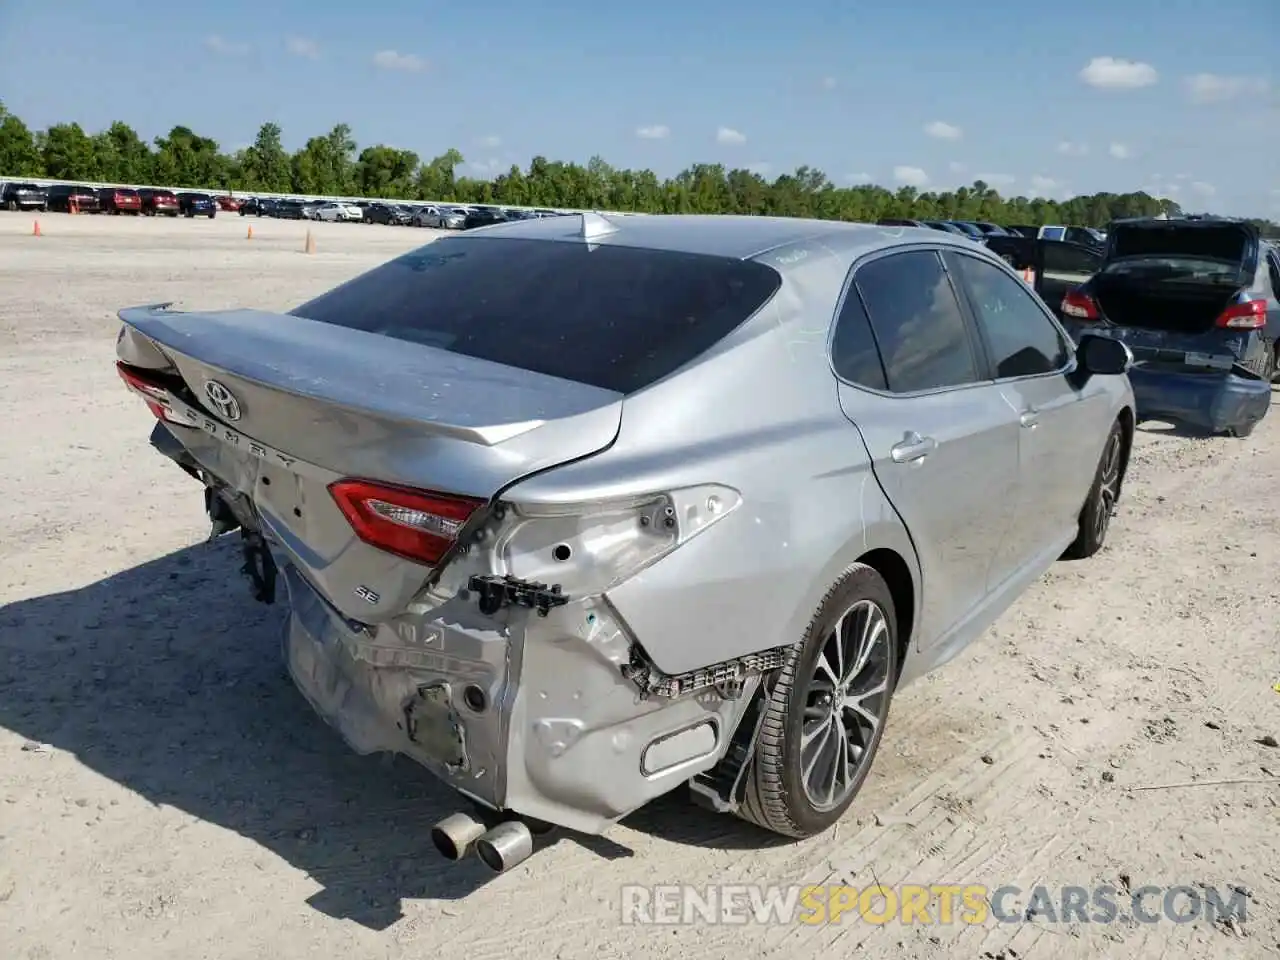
[(404, 62), (1071, 148), (1204, 189), (943, 131), (224, 47), (491, 141), (1043, 184), (910, 176), (657, 131), (828, 83), (1120, 151), (1112, 73), (996, 179), (1216, 88), (857, 178), (729, 135), (302, 47), (955, 166)]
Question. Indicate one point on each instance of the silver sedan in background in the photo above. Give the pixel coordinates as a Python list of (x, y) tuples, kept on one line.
[(578, 510), (439, 217)]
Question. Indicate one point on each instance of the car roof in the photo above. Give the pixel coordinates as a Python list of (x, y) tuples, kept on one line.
[(735, 236)]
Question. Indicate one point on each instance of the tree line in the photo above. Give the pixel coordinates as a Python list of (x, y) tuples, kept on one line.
[(333, 164)]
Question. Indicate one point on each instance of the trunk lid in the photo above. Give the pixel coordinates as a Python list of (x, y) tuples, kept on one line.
[(297, 404), (1174, 276)]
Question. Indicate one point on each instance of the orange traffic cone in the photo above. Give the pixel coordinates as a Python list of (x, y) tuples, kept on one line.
[(310, 245), (249, 236), (35, 229), (73, 205)]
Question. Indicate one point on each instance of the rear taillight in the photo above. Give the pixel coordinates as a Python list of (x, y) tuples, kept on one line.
[(1247, 315), (1080, 306), (153, 393), (418, 525)]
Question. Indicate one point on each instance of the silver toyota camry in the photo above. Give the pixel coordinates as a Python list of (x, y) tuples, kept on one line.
[(579, 510)]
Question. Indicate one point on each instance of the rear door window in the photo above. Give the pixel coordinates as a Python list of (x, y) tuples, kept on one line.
[(1021, 339), (917, 321), (854, 354), (610, 316)]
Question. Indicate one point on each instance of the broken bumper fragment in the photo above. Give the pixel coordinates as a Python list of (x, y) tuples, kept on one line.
[(545, 714)]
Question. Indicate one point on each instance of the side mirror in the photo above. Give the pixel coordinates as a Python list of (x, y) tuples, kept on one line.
[(1103, 356)]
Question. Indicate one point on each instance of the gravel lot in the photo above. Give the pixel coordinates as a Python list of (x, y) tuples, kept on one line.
[(164, 791)]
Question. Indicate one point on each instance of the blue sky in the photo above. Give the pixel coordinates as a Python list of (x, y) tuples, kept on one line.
[(1175, 96)]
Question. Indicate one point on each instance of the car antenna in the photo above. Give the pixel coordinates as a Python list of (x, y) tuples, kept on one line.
[(594, 226)]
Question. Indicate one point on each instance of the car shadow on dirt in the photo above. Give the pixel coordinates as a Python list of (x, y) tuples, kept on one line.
[(167, 678)]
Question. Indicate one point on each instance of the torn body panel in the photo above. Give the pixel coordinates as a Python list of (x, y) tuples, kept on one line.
[(518, 712)]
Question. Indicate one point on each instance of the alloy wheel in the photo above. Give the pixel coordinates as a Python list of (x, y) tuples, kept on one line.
[(1108, 486), (844, 705)]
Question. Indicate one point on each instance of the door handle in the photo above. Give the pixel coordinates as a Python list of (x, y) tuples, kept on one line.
[(1030, 417), (913, 447)]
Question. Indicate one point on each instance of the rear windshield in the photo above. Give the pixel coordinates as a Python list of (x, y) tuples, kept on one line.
[(614, 317)]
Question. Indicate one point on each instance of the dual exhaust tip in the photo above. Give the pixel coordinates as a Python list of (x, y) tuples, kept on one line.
[(499, 848)]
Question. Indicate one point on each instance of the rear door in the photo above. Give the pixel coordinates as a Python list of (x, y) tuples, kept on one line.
[(942, 438), (1060, 428)]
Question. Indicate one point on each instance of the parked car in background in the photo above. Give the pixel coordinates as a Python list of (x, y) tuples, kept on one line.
[(920, 467), (197, 205), (63, 197), (287, 210), (1196, 302), (254, 206), (968, 229), (339, 212), (23, 196), (1058, 266), (898, 222), (158, 202), (119, 200), (1022, 230), (947, 228), (483, 217), (229, 204), (387, 213), (439, 218), (1087, 236)]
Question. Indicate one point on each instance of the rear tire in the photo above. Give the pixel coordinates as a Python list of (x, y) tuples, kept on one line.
[(825, 711), (1095, 516)]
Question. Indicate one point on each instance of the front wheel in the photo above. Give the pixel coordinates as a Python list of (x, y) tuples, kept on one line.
[(825, 710), (1095, 517)]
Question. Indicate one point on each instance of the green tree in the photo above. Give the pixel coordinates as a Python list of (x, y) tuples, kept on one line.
[(265, 165), (185, 159), (68, 153), (19, 155), (332, 165)]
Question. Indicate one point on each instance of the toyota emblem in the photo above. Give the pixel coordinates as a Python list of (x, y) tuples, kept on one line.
[(222, 400)]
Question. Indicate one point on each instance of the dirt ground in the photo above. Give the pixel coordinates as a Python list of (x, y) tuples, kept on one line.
[(165, 792)]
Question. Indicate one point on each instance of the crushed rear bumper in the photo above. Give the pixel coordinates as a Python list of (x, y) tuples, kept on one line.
[(1213, 400), (517, 712)]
